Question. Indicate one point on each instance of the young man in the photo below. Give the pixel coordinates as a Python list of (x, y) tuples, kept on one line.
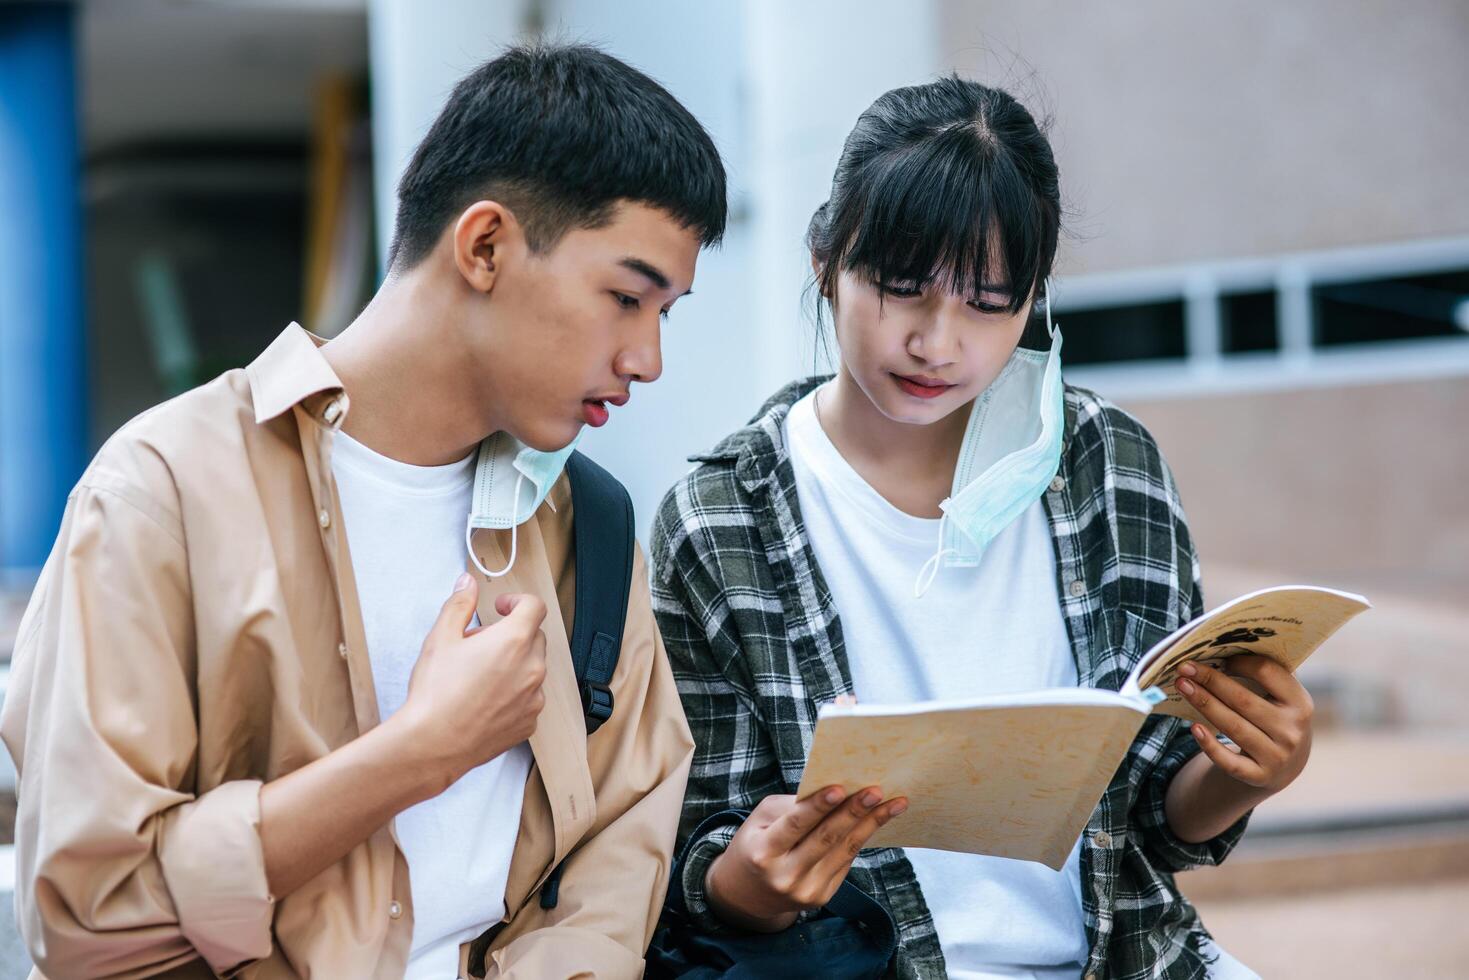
[(253, 737)]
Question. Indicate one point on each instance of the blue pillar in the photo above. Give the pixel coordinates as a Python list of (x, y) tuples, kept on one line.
[(43, 371)]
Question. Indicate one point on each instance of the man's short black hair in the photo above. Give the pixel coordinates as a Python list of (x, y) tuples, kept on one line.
[(559, 134)]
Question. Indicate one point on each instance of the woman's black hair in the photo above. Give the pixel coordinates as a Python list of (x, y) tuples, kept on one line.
[(932, 181)]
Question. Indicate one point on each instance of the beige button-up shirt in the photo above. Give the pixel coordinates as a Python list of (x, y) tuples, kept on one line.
[(196, 633)]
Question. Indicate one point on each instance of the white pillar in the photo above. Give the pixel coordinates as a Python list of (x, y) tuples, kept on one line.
[(812, 67), (418, 49)]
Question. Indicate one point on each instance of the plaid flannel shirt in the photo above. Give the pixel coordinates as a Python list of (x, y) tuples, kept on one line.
[(756, 647)]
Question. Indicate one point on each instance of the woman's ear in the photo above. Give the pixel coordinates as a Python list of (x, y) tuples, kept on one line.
[(818, 269), (483, 237)]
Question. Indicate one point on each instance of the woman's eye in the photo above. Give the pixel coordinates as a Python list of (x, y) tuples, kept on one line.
[(901, 289), (984, 307), (625, 301)]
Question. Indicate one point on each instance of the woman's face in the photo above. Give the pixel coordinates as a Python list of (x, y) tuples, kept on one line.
[(921, 353)]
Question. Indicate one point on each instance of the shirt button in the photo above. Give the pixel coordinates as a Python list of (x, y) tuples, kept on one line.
[(342, 650), (1077, 588), (324, 519), (1102, 839), (1058, 483), (395, 910)]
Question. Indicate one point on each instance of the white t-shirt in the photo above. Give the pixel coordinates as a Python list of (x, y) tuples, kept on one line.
[(992, 629), (405, 529)]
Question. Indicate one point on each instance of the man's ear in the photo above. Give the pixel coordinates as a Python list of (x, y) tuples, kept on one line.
[(485, 235)]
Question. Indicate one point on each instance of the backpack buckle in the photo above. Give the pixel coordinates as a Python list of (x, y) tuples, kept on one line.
[(596, 704)]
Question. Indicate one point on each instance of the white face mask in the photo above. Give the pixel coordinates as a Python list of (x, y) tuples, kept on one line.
[(501, 502), (994, 481)]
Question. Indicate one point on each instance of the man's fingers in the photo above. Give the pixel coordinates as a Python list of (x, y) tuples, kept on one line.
[(788, 831), (523, 612), (458, 610), (834, 828)]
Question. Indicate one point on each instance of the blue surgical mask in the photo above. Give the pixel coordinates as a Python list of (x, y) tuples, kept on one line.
[(511, 480), (1010, 453)]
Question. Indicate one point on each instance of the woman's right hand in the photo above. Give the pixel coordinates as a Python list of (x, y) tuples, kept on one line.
[(791, 856)]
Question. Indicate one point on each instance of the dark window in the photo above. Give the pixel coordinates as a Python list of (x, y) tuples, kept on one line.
[(1402, 308), (190, 275), (1247, 322), (1145, 331)]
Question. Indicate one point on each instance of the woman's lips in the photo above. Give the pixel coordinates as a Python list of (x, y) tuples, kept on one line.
[(595, 413), (921, 387)]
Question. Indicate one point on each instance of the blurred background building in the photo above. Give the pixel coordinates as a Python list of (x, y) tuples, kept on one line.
[(1267, 260)]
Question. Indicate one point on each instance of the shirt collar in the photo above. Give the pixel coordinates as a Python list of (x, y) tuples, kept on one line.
[(292, 371)]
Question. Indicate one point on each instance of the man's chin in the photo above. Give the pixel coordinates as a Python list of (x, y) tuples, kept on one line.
[(550, 437)]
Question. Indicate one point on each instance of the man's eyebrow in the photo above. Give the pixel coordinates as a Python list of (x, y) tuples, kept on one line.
[(646, 269), (651, 272)]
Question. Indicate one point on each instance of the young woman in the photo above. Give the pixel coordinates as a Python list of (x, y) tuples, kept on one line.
[(946, 518)]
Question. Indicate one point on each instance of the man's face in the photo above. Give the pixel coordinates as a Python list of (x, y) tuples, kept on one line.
[(578, 323)]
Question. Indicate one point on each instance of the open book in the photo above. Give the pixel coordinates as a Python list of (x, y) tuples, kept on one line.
[(1018, 775)]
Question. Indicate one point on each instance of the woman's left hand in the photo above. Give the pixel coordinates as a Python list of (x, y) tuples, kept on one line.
[(1273, 733)]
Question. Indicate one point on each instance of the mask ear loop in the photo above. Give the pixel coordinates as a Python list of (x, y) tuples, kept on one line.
[(930, 569), (1050, 327), (514, 528)]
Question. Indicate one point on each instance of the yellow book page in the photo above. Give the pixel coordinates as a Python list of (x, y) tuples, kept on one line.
[(1286, 624), (1017, 781)]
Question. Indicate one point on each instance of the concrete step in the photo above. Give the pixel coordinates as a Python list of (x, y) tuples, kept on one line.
[(1405, 932), (1371, 809)]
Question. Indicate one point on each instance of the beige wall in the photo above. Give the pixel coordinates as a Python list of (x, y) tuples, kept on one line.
[(1366, 487), (1194, 131)]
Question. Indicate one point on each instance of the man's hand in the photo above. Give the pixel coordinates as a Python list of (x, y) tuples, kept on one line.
[(472, 696), (476, 693), (1271, 734), (790, 856)]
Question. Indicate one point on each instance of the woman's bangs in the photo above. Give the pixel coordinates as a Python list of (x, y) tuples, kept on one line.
[(948, 211)]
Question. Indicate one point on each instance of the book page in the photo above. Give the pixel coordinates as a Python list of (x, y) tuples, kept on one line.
[(1286, 624), (1016, 780)]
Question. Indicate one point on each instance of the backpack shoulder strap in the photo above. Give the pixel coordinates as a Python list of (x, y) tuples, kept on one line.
[(602, 533), (602, 519)]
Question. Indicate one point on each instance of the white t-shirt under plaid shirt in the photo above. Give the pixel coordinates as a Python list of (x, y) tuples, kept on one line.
[(992, 629)]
